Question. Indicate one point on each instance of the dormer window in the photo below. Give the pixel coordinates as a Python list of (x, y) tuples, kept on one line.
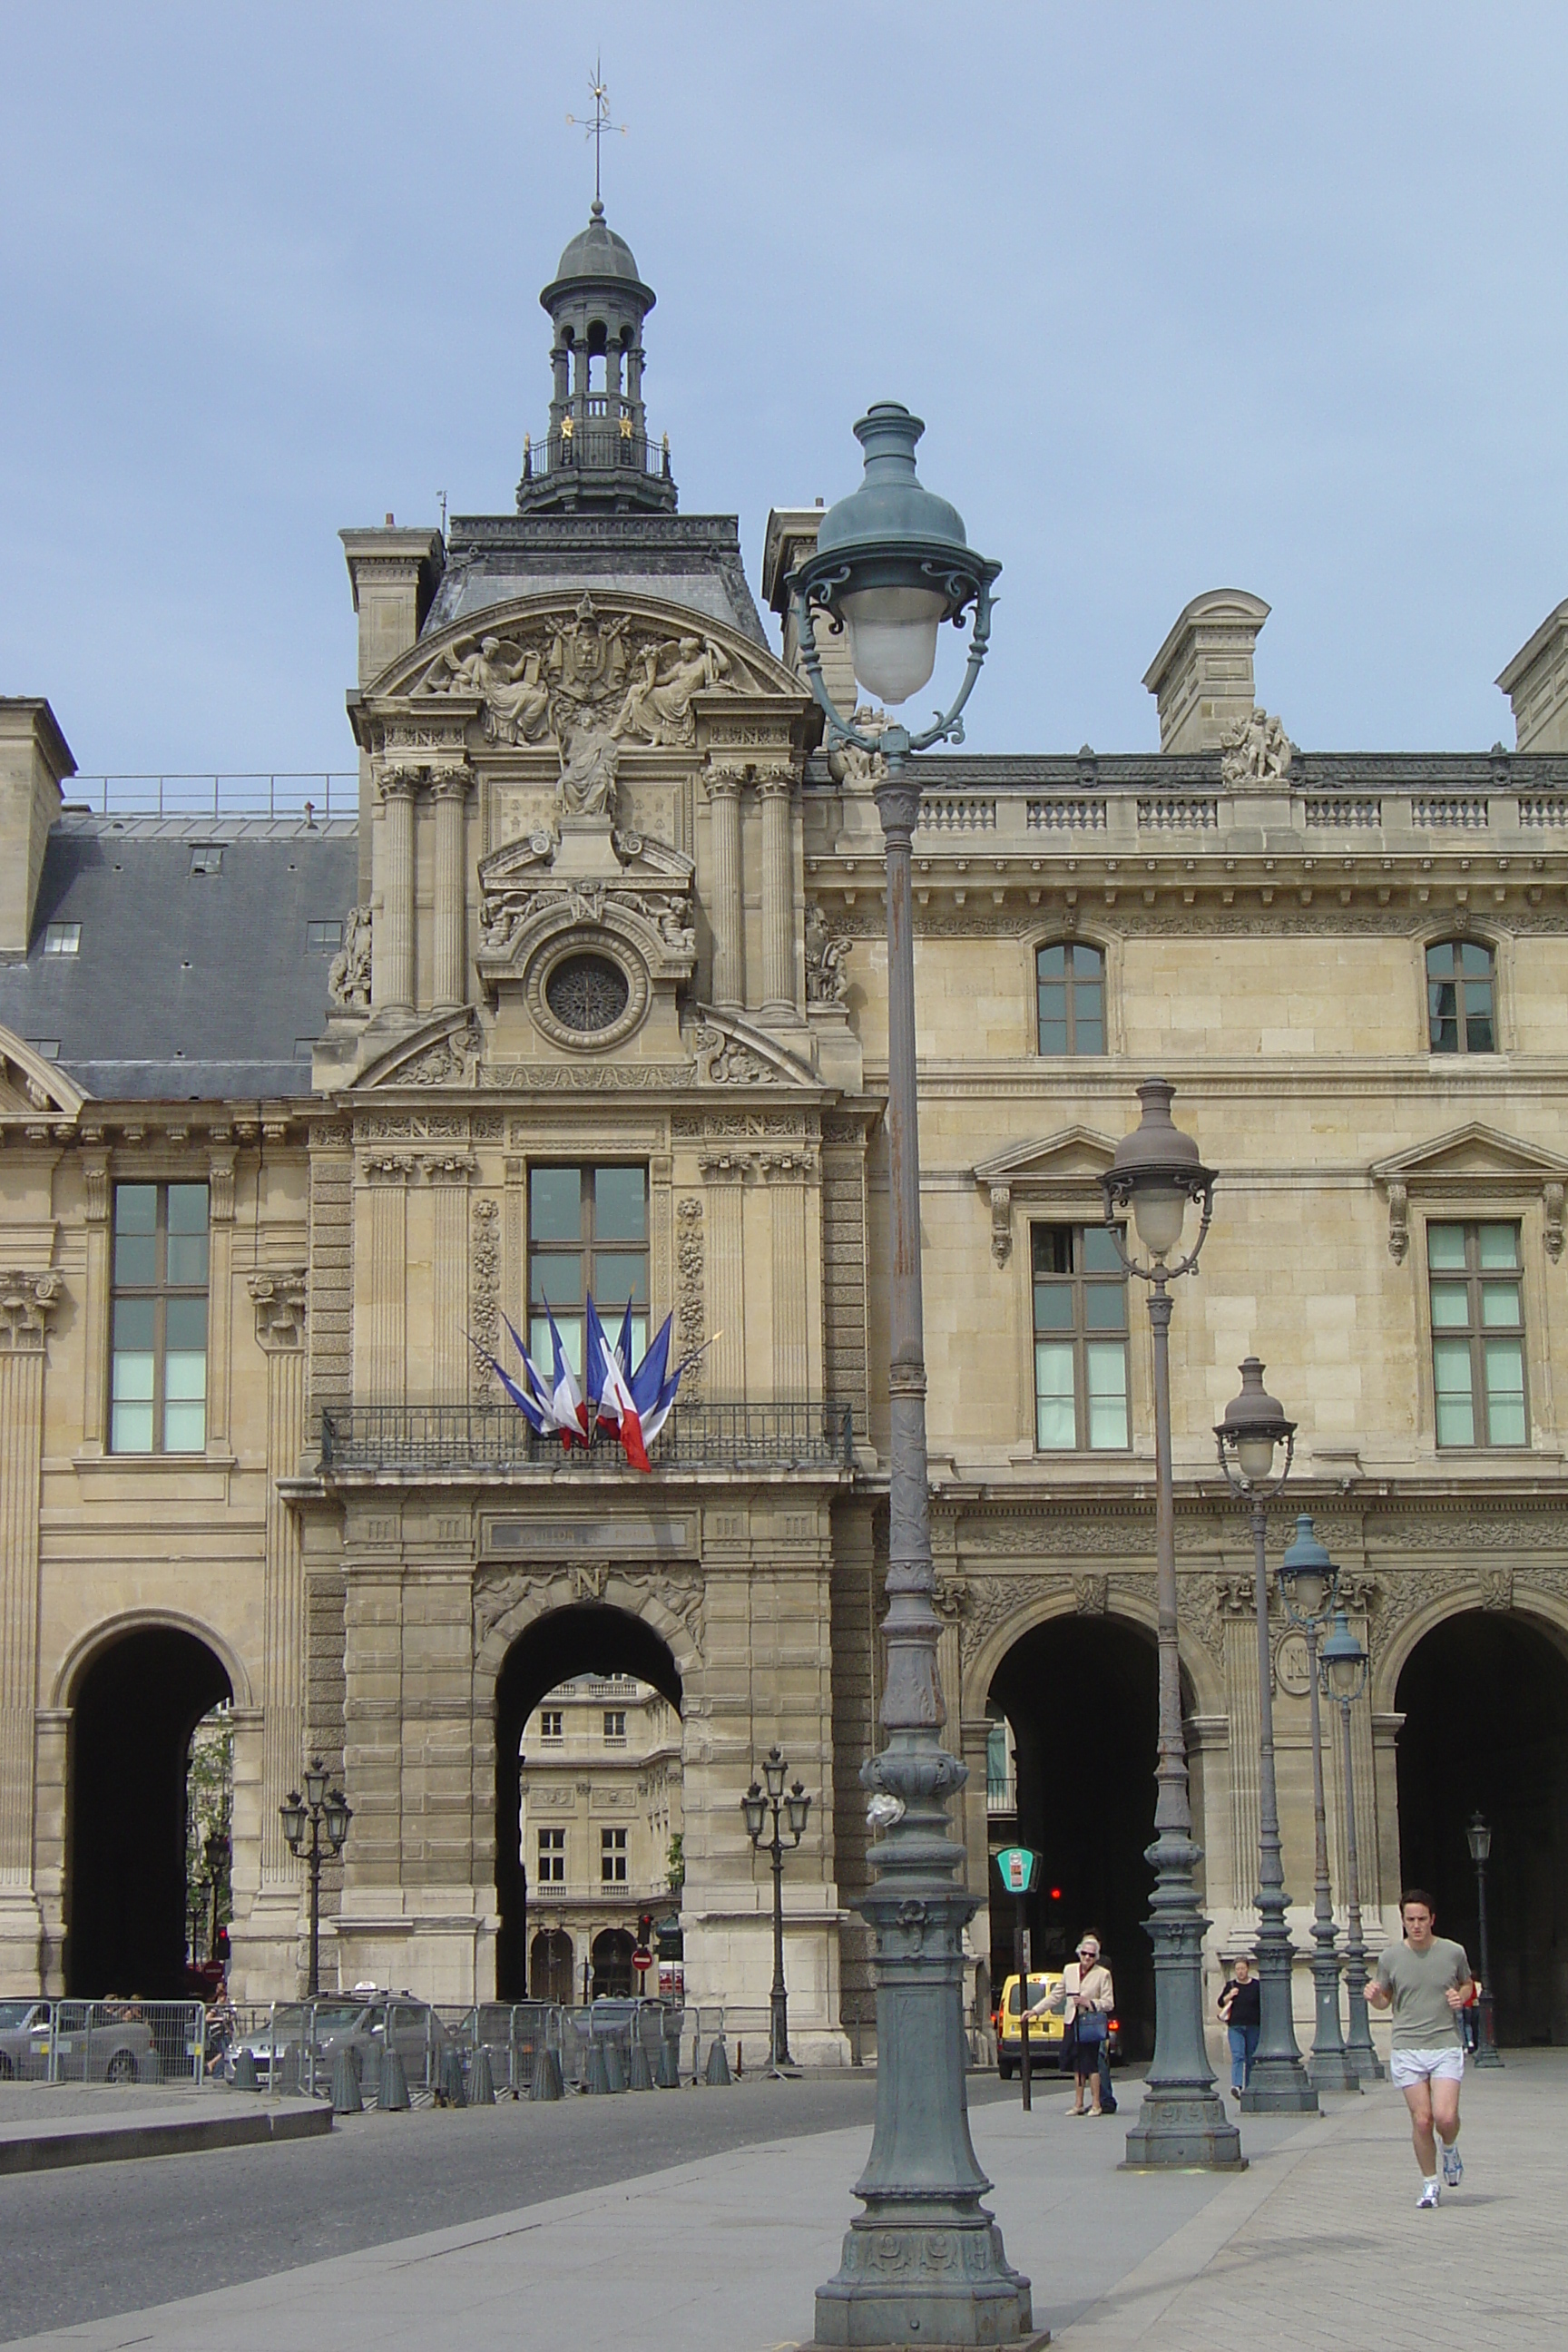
[(1462, 996), (207, 858), (62, 939)]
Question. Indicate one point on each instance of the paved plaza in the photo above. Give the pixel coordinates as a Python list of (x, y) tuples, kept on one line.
[(1318, 2244)]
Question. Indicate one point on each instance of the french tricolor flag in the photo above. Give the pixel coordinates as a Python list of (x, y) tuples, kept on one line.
[(617, 1394)]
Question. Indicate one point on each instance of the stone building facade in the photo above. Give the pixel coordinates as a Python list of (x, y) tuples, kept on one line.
[(590, 995)]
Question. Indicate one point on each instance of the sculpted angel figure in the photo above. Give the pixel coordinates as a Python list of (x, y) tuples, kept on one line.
[(517, 704), (659, 701), (348, 975)]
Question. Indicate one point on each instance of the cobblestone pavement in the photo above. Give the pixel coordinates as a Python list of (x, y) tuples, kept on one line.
[(1323, 2247)]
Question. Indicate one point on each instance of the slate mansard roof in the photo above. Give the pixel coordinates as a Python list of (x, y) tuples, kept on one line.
[(185, 984)]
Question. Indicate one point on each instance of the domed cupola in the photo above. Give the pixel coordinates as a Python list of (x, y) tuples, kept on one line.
[(596, 457)]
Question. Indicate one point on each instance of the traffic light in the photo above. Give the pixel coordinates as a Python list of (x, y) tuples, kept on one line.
[(644, 1928)]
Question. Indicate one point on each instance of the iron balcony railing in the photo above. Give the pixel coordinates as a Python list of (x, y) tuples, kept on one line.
[(595, 448), (814, 1434)]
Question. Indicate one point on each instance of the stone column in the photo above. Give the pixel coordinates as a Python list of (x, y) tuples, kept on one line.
[(724, 1175), (450, 794), (728, 982), (777, 791), (26, 1301), (382, 1371), (786, 1174), (449, 1176), (392, 973), (279, 1301)]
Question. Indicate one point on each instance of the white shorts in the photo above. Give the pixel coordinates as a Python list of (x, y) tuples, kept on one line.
[(1411, 2067)]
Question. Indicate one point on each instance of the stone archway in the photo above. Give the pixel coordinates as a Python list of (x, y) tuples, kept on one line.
[(585, 1637), (134, 1706), (1484, 1697)]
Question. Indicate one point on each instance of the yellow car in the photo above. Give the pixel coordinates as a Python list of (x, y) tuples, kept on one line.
[(1044, 2032)]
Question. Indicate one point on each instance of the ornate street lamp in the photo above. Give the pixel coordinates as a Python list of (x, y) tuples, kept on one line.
[(1250, 1439), (924, 2261), (794, 1808), (322, 1810), (1156, 1173), (1308, 1583), (216, 1854), (1346, 1668), (1479, 1837)]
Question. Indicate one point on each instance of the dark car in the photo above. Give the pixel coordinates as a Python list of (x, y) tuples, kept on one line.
[(361, 2021)]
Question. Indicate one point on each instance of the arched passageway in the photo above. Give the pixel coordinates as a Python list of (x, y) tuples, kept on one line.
[(136, 1706), (1080, 1694), (613, 1950), (1485, 1701), (550, 1967), (589, 1639)]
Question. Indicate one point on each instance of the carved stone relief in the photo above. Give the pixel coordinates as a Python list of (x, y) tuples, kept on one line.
[(26, 1302), (827, 982), (1254, 751), (349, 973), (679, 1593), (692, 1311), (279, 1301), (484, 1295)]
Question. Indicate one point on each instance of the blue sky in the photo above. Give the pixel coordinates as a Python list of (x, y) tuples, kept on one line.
[(1260, 296)]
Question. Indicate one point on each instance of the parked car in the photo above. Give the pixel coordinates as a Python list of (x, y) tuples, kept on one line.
[(1046, 2033), (357, 2020), (94, 2042)]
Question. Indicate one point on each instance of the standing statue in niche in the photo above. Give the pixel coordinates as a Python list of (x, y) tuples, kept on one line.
[(827, 982), (589, 759), (658, 707), (348, 975)]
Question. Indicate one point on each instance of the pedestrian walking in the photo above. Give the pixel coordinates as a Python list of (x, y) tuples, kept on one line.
[(1086, 1998), (1427, 1982), (1240, 2010)]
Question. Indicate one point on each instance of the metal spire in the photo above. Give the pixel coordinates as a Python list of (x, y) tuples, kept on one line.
[(594, 127)]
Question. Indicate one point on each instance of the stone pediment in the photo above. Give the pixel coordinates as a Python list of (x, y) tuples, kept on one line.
[(732, 1052), (1474, 1163), (34, 1093), (442, 1052), (548, 672), (1066, 1167)]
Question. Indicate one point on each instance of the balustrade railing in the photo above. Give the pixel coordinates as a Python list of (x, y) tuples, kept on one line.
[(808, 1434)]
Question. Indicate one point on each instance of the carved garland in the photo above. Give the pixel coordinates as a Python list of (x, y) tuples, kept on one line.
[(690, 1321), (484, 1296)]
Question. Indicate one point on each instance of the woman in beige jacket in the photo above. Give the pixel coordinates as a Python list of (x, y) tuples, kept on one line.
[(1086, 1998)]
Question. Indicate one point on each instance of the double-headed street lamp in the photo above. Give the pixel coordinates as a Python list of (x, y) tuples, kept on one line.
[(924, 2263), (757, 1805), (1346, 1667), (1479, 1838), (325, 1810), (1250, 1438), (1308, 1585)]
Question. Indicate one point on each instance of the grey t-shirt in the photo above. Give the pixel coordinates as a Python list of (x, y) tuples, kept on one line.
[(1419, 1982)]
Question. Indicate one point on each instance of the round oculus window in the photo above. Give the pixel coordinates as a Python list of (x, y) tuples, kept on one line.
[(587, 993)]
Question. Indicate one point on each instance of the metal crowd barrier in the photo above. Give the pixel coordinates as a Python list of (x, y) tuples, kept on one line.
[(115, 2042)]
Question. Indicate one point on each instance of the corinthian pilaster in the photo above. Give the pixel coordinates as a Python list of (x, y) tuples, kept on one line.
[(280, 1303), (777, 791), (26, 1301), (449, 976), (392, 974), (729, 953)]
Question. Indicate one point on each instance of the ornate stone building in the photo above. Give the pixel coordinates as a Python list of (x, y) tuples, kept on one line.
[(589, 996)]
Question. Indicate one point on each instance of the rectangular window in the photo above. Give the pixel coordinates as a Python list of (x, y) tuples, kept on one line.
[(1460, 994), (207, 858), (323, 937), (553, 1857), (587, 1235), (612, 1857), (158, 1387), (1069, 999), (551, 1723), (614, 1727), (62, 939), (1080, 1341), (1478, 1334)]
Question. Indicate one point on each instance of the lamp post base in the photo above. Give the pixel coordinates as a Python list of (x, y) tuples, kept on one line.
[(1333, 2071), (1034, 2342), (1285, 2090), (1183, 2132)]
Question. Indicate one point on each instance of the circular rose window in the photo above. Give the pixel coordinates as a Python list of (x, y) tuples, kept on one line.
[(587, 993)]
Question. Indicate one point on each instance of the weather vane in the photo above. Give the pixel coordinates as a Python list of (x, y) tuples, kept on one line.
[(595, 126)]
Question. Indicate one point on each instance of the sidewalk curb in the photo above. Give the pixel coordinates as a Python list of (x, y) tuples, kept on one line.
[(70, 2142)]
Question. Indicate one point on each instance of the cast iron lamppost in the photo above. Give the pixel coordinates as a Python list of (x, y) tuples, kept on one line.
[(1250, 1437), (924, 2263), (756, 1806), (1157, 1173), (1345, 1669), (1308, 1583), (1481, 1843), (326, 1810), (216, 1854)]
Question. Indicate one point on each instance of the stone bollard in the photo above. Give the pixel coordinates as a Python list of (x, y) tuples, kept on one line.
[(481, 2081), (639, 2074), (595, 2080), (545, 2082), (346, 2099), (244, 2076), (614, 2067), (718, 2067), (667, 2071), (451, 2092), (393, 2096)]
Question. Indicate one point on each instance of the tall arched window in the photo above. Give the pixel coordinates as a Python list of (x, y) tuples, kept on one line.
[(1461, 997), (1069, 986)]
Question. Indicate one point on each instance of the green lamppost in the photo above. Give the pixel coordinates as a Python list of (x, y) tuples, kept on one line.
[(924, 2263), (1345, 1669), (1309, 1586), (1156, 1173), (755, 1805), (319, 1810)]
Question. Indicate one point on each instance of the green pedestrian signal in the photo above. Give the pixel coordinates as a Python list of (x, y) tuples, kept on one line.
[(1020, 1867)]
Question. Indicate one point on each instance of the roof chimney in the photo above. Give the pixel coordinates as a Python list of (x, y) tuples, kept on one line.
[(34, 756), (1536, 683), (1201, 677)]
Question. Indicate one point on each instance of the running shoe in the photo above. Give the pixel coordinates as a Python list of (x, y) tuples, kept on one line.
[(1431, 2190), (1453, 2168)]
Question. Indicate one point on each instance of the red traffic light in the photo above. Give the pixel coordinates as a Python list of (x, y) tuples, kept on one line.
[(1055, 1895)]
